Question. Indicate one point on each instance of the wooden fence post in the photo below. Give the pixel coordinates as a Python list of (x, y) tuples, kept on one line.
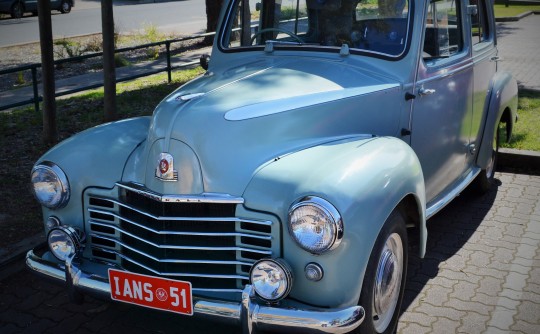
[(50, 134), (109, 70)]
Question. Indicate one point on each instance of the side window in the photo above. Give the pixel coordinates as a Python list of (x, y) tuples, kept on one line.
[(443, 30), (480, 24)]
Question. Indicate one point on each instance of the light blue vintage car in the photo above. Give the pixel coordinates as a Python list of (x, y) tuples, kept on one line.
[(279, 190)]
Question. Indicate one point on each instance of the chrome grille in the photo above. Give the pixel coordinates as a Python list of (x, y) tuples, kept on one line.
[(193, 239)]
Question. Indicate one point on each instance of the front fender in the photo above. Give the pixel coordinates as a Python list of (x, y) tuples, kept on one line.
[(365, 179), (94, 157), (503, 97)]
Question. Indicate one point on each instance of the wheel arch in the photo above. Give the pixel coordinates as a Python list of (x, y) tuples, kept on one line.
[(501, 106)]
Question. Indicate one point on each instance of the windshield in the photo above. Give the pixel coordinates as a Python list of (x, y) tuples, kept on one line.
[(374, 26)]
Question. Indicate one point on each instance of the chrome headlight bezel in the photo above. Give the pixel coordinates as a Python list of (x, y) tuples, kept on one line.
[(271, 278), (50, 185), (330, 227)]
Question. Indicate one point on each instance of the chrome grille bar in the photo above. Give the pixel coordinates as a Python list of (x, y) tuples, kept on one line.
[(253, 250), (165, 260), (198, 238), (203, 198), (166, 232), (210, 219), (175, 274)]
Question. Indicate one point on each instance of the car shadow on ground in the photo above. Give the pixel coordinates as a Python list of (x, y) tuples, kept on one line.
[(448, 231)]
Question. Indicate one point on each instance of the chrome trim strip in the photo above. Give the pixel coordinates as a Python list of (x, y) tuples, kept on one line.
[(173, 232), (441, 203), (262, 317), (189, 247), (162, 260), (202, 198), (296, 102), (209, 219)]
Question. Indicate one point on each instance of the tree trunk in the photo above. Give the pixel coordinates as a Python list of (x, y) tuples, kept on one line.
[(213, 8), (50, 134), (109, 70)]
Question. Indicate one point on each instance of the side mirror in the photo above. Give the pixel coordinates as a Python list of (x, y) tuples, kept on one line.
[(204, 61)]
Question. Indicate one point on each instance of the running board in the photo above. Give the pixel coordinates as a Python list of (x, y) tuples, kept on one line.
[(441, 203)]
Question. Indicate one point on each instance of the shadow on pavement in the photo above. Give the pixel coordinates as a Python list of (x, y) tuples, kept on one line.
[(448, 231)]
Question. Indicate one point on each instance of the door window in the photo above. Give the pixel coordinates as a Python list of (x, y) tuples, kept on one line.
[(480, 24), (443, 34)]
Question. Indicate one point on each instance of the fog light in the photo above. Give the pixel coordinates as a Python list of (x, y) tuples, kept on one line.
[(271, 279), (64, 242)]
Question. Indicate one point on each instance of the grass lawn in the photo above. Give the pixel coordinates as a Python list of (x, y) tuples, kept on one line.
[(526, 135), (514, 10)]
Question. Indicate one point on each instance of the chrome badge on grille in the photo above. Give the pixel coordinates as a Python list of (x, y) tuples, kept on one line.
[(165, 169)]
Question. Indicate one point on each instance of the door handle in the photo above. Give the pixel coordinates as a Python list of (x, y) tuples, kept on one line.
[(424, 91), (496, 58)]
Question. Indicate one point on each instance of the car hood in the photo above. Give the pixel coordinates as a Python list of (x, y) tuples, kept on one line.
[(221, 128)]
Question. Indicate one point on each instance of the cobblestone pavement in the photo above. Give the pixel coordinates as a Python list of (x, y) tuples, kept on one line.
[(481, 274)]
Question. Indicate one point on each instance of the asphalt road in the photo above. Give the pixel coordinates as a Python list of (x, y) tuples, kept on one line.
[(182, 17)]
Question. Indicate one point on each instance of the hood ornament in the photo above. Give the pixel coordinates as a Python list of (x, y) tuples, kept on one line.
[(165, 168)]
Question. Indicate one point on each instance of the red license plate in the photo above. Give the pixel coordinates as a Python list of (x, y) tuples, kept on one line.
[(153, 292)]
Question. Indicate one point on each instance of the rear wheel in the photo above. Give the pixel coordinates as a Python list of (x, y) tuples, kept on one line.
[(17, 10), (384, 281)]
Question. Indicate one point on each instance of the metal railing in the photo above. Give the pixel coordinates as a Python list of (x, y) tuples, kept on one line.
[(36, 99)]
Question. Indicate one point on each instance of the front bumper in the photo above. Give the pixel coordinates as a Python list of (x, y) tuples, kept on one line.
[(247, 314)]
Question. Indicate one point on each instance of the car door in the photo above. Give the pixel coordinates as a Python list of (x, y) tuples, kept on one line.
[(442, 110), (484, 53)]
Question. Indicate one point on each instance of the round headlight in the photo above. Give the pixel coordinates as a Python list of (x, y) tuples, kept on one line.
[(315, 225), (51, 186), (64, 242), (271, 279)]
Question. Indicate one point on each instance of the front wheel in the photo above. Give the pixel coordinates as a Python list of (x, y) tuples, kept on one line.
[(17, 10), (65, 7), (384, 281)]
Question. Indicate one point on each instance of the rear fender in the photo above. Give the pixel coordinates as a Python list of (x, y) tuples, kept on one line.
[(501, 106)]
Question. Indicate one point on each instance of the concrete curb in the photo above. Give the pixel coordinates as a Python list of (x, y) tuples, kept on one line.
[(519, 160), (516, 18)]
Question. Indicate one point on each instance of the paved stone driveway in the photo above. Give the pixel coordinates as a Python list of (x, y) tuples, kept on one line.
[(481, 274)]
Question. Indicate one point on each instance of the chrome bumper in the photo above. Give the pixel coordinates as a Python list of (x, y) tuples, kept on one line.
[(249, 315)]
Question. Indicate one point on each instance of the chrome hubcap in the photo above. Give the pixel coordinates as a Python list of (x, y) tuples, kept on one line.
[(387, 282)]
